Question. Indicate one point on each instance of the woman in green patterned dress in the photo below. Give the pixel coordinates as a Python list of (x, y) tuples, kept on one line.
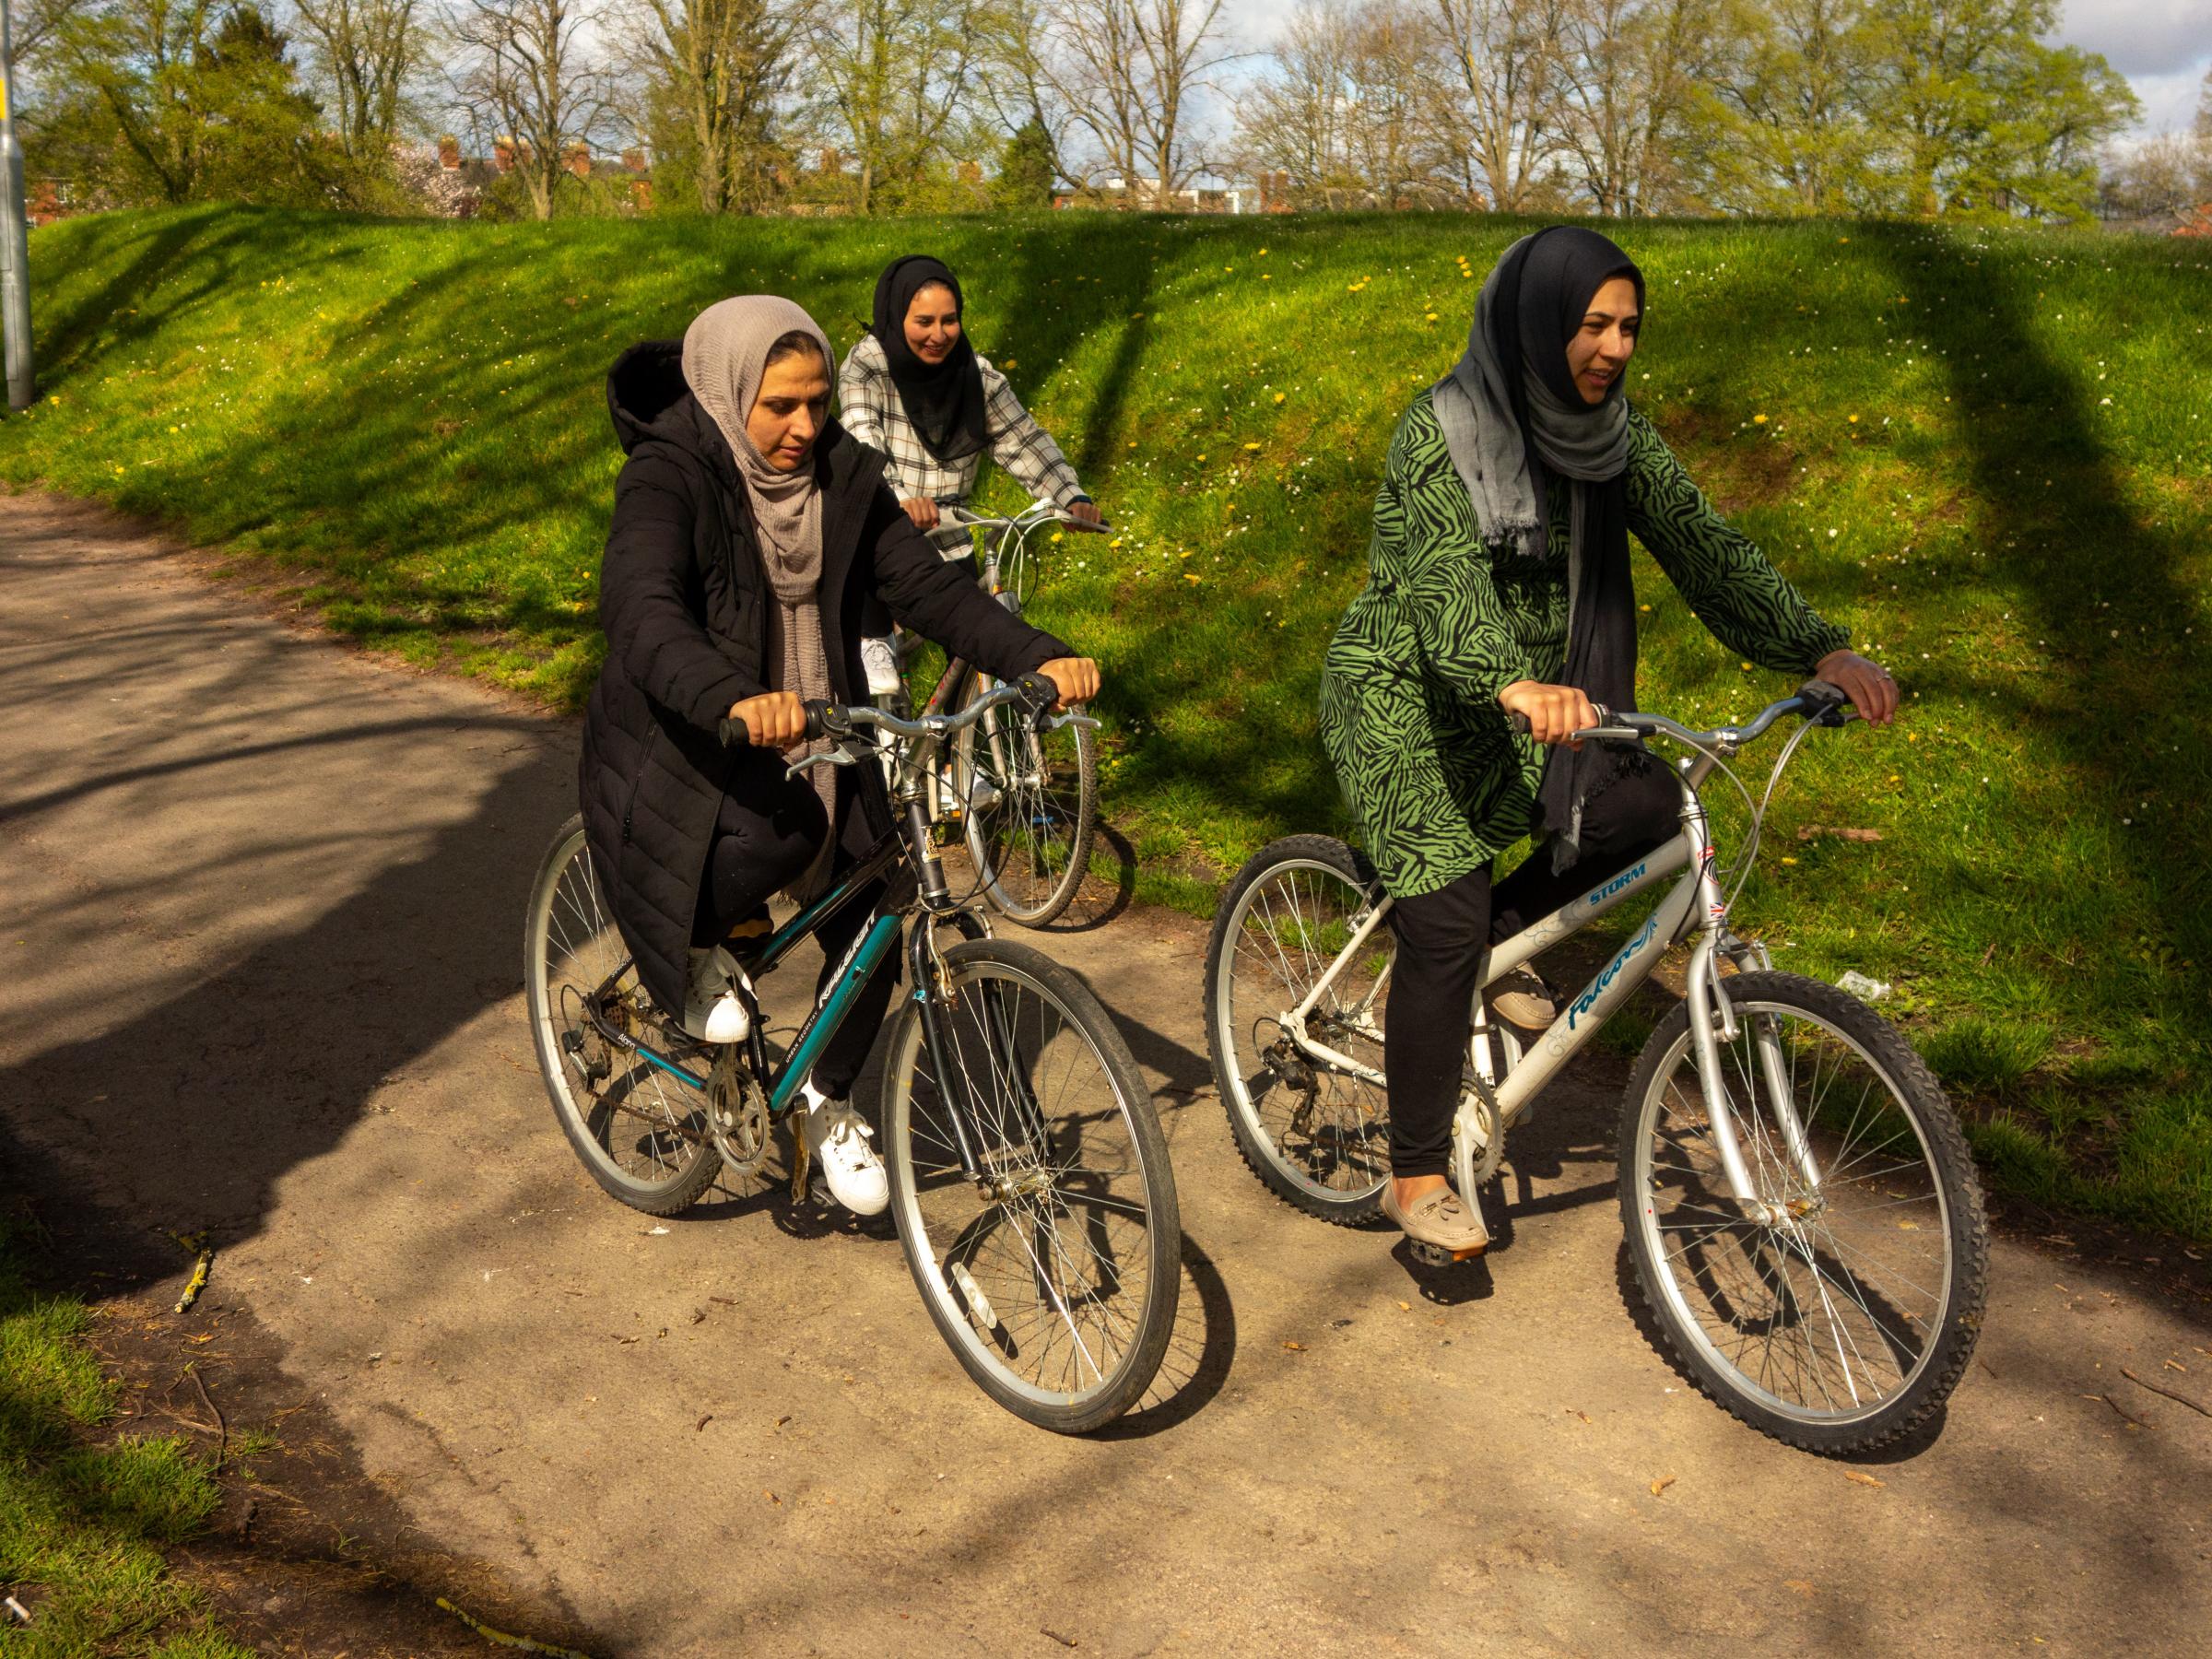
[(1499, 582)]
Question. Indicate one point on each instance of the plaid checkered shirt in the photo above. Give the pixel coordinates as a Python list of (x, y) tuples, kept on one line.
[(868, 406)]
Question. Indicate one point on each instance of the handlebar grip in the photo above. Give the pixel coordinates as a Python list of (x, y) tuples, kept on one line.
[(1517, 723), (1038, 693), (1824, 703), (735, 733), (818, 722)]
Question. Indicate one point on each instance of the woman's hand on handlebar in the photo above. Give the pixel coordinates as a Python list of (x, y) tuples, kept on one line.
[(1872, 692), (923, 511), (1086, 510), (1077, 678), (1554, 713), (773, 720)]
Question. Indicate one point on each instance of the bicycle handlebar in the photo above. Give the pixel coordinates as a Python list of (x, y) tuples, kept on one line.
[(825, 719), (1816, 699)]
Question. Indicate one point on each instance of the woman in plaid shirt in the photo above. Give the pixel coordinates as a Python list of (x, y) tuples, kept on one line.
[(916, 389)]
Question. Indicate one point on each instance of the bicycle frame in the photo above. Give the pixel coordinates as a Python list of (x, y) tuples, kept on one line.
[(1695, 905)]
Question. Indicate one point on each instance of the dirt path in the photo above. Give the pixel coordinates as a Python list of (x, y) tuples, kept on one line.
[(262, 921)]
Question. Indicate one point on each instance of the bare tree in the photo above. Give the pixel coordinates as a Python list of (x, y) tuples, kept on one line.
[(1129, 71), (364, 53), (1292, 119), (527, 76), (1498, 114), (724, 66), (1627, 69)]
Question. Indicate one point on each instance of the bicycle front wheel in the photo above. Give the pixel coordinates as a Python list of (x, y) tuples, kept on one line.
[(1315, 1130), (1838, 1313), (1051, 1269), (640, 1130), (1032, 801)]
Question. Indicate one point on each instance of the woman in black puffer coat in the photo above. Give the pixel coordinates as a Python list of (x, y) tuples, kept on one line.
[(749, 531)]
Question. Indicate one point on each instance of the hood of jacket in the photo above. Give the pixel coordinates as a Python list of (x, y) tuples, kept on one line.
[(649, 401)]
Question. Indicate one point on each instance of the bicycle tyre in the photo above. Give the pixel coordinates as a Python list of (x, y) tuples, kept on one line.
[(1358, 1203), (1069, 818), (926, 1182), (567, 923), (1936, 1313)]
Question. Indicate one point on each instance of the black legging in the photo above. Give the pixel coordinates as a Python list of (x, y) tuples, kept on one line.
[(761, 845), (1443, 938)]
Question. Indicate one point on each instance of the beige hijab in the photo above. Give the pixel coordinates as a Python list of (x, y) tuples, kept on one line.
[(725, 357)]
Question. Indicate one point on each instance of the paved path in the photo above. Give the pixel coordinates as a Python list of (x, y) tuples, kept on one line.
[(261, 915)]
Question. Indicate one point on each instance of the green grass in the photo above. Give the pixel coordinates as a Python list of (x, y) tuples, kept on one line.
[(407, 421), (81, 1521)]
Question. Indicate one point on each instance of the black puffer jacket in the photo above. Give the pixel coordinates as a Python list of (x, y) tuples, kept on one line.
[(684, 602)]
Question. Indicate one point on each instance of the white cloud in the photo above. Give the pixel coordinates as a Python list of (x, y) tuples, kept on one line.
[(2142, 37)]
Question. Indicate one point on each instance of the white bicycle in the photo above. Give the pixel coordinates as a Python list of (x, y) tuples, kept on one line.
[(1804, 1216)]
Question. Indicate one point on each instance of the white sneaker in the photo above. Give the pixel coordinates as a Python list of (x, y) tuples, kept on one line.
[(881, 663), (838, 1142), (712, 1011)]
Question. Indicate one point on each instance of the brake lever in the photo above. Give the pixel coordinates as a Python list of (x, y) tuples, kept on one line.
[(835, 757)]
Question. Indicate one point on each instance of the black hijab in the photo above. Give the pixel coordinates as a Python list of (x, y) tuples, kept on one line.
[(1514, 374), (944, 400)]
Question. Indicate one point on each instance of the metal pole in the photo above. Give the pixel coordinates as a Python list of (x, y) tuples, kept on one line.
[(14, 236)]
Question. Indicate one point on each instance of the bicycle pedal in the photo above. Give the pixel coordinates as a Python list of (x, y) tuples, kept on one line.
[(1436, 1255)]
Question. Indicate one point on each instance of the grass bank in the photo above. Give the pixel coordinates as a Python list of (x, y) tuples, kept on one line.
[(1985, 452), (83, 1517)]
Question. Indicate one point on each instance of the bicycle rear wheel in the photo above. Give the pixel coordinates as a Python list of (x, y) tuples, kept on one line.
[(1318, 1135), (639, 1129), (1845, 1319), (1054, 1277), (1033, 809)]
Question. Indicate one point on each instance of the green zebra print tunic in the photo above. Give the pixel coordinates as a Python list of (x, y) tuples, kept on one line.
[(1408, 695)]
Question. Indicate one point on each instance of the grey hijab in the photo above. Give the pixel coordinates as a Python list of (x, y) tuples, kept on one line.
[(726, 357), (1498, 419), (1510, 414)]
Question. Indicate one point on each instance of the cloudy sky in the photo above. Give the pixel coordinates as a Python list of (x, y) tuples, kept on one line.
[(2162, 46)]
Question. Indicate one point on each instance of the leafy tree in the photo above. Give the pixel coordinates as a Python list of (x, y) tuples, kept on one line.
[(1026, 169), (1984, 118)]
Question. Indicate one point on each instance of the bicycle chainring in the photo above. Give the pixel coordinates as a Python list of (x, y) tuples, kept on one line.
[(1489, 1125), (738, 1114)]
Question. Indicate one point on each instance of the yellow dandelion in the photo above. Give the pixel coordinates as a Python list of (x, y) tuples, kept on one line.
[(1745, 666), (1854, 420), (1133, 443), (1114, 543), (1265, 277), (1894, 778), (1252, 446), (1431, 318), (1135, 317), (54, 399), (1192, 576), (1644, 608), (1201, 457), (1789, 861), (1184, 554), (1759, 420), (1280, 395), (1005, 362), (1262, 253), (1911, 736), (175, 428)]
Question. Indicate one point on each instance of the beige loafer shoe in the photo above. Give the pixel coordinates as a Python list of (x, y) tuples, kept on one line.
[(1528, 1005), (1440, 1221)]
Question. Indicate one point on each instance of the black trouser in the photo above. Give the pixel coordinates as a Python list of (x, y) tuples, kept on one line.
[(1443, 938), (763, 843)]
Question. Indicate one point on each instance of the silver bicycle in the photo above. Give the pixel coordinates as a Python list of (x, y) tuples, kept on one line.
[(1026, 800), (1803, 1214)]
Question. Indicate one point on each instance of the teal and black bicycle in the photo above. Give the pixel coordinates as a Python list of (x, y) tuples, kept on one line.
[(1029, 1178)]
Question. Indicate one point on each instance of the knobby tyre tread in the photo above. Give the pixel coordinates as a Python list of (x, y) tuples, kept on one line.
[(1923, 1095), (1353, 865)]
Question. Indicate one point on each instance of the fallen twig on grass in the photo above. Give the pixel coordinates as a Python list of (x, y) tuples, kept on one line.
[(2201, 1410), (504, 1639)]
